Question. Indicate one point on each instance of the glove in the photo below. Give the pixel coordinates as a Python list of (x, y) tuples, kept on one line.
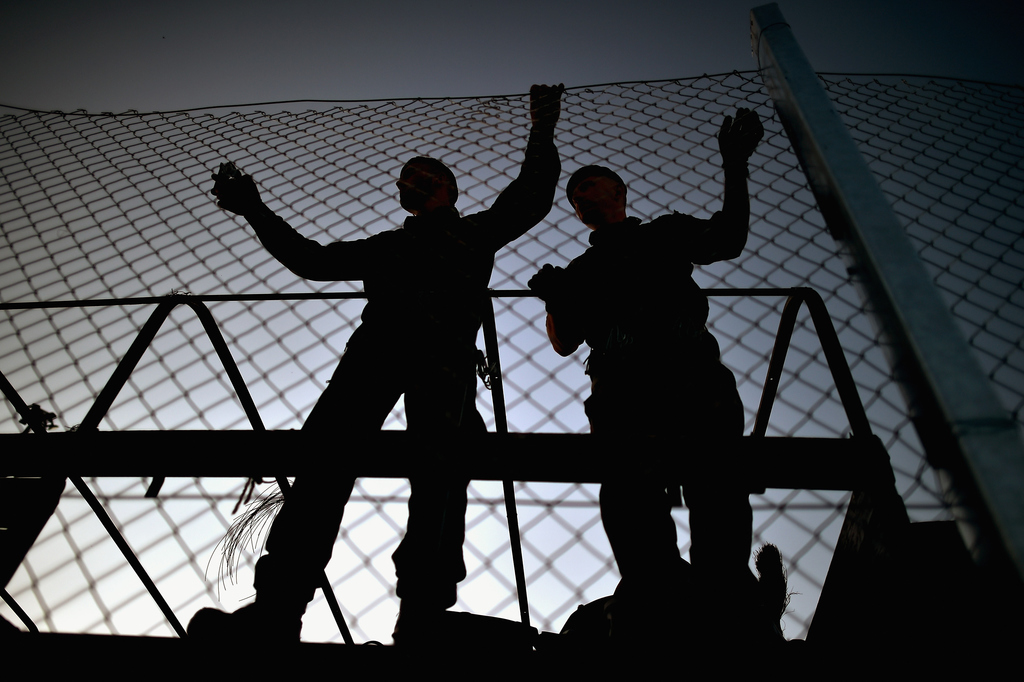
[(545, 105), (235, 192), (547, 283), (738, 137)]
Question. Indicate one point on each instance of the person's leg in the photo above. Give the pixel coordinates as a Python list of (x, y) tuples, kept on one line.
[(429, 561), (637, 518), (635, 508), (651, 601), (357, 400), (721, 520)]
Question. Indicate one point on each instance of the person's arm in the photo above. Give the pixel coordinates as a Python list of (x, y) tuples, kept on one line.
[(724, 236), (306, 258), (526, 201), (552, 285), (564, 344)]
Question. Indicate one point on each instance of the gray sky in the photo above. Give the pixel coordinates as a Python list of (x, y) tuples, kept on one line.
[(113, 55)]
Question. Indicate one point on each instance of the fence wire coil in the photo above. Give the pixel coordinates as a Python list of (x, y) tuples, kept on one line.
[(101, 213)]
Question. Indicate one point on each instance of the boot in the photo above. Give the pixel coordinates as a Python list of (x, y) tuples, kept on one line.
[(419, 625), (282, 594), (255, 623)]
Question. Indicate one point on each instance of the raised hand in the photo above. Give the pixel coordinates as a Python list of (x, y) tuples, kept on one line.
[(738, 137), (235, 192), (545, 105)]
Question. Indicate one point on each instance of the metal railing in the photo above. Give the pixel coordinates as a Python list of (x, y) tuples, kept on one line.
[(795, 299)]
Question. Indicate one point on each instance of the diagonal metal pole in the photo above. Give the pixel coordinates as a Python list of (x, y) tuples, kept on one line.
[(224, 353), (127, 365), (230, 368), (830, 346), (92, 420), (106, 399), (129, 555), (18, 611), (967, 433), (501, 426)]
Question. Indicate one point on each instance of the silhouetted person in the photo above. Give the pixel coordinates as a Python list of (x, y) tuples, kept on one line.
[(426, 284), (655, 369)]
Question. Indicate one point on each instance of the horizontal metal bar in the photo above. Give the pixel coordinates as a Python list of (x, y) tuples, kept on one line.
[(154, 300), (324, 296), (753, 462)]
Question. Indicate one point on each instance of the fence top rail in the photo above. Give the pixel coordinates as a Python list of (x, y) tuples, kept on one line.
[(339, 295)]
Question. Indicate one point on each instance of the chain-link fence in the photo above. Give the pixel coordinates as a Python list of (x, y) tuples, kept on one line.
[(116, 207)]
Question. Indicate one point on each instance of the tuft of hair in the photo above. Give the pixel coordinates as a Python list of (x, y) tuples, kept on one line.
[(248, 531), (772, 582)]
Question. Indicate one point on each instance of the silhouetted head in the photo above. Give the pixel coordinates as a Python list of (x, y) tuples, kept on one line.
[(598, 195), (425, 184)]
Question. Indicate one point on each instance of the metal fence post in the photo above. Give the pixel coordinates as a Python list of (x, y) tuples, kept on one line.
[(966, 432)]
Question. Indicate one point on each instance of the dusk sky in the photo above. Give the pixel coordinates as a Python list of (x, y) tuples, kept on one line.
[(113, 55)]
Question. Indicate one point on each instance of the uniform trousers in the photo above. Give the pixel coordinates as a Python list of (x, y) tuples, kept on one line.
[(634, 398), (439, 399)]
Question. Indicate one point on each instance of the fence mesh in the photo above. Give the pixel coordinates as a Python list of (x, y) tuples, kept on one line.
[(115, 207)]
